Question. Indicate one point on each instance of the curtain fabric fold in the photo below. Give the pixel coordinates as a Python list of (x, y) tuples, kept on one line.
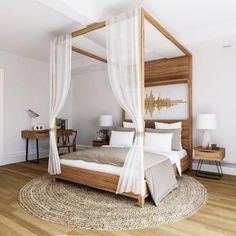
[(123, 41), (60, 75)]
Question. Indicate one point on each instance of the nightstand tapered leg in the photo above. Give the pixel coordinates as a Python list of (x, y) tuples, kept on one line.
[(214, 156), (219, 169), (210, 175), (199, 166)]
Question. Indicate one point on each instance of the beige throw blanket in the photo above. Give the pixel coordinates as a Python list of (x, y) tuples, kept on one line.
[(159, 172)]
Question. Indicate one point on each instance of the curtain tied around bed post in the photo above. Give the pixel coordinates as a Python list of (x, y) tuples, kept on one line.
[(123, 35), (60, 75)]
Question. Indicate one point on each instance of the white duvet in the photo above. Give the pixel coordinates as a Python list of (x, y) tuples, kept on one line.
[(174, 156)]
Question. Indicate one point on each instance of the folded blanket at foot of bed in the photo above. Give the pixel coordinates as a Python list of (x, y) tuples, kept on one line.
[(159, 172)]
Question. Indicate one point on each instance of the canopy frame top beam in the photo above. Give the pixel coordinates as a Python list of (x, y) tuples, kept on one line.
[(147, 16)]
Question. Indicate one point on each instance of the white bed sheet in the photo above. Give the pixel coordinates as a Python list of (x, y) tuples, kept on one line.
[(174, 156)]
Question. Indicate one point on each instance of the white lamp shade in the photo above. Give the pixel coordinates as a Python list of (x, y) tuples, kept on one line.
[(206, 121), (105, 121)]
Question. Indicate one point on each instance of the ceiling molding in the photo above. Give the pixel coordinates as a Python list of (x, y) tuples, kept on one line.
[(208, 33), (68, 11)]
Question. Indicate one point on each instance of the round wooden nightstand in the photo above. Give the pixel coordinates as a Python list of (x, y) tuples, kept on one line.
[(216, 156)]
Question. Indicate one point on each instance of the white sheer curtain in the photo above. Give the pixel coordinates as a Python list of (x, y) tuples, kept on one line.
[(124, 68), (60, 74)]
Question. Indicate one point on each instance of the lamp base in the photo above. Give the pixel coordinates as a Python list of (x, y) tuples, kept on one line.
[(206, 139)]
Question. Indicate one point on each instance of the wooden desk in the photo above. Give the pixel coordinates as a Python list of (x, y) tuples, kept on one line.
[(33, 134)]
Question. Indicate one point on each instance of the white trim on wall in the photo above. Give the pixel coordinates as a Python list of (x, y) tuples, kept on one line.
[(16, 157), (1, 113), (82, 147), (228, 168)]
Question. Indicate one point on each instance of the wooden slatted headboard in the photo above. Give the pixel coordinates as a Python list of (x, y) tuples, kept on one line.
[(172, 71)]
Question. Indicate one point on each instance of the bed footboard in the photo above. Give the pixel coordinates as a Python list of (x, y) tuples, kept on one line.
[(99, 180)]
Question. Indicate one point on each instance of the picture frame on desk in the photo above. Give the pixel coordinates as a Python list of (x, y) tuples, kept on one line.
[(61, 124)]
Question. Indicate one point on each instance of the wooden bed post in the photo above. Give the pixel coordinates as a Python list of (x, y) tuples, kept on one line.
[(141, 201), (163, 31), (88, 29), (108, 182), (141, 198), (142, 61), (190, 110), (88, 54)]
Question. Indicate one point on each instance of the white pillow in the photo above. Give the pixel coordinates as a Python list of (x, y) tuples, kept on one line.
[(119, 138), (128, 124), (158, 141), (159, 125)]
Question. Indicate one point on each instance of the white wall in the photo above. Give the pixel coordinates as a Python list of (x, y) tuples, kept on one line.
[(92, 97), (214, 74), (1, 111), (214, 84), (26, 86)]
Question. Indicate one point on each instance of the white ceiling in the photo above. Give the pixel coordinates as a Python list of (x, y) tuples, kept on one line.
[(27, 26)]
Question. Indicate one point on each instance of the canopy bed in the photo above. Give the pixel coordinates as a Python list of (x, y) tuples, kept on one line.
[(129, 74)]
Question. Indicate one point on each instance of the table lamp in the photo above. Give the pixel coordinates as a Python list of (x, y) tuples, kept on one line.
[(105, 121), (206, 122)]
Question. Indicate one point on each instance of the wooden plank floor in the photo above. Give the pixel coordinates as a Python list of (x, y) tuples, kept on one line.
[(217, 218)]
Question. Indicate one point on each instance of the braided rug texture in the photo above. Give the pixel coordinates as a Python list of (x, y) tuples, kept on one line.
[(87, 208)]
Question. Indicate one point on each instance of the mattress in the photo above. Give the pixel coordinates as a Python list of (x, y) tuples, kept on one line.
[(174, 156)]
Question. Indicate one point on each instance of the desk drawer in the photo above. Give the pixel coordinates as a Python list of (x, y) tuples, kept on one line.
[(31, 134)]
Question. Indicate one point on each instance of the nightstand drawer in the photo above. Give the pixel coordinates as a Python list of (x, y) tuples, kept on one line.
[(200, 153)]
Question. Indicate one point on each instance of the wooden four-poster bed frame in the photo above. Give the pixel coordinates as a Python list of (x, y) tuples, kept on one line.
[(176, 70)]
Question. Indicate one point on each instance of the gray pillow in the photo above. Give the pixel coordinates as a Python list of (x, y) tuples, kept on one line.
[(176, 138), (124, 129)]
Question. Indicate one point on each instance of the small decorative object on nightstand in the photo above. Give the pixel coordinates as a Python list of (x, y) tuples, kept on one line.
[(99, 143), (204, 154)]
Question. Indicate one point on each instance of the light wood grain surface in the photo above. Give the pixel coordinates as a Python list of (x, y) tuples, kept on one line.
[(218, 217), (208, 154)]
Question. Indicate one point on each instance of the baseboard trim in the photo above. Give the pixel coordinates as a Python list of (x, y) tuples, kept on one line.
[(228, 168), (15, 157), (81, 147)]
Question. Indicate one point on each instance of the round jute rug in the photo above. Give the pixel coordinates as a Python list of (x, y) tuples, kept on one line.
[(87, 208)]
